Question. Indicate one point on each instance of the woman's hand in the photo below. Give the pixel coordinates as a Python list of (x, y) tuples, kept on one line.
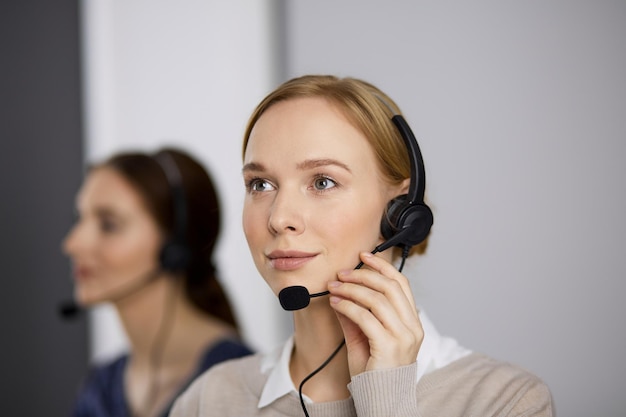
[(378, 316)]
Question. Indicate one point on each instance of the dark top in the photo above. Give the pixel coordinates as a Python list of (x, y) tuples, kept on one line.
[(102, 393)]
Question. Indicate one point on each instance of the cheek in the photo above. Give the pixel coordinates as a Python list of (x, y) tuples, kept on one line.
[(121, 261), (253, 224), (133, 252), (357, 230)]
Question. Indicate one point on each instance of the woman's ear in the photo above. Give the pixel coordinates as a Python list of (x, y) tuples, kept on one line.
[(404, 187), (400, 189)]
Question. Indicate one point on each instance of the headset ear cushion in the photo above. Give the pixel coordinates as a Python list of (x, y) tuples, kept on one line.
[(174, 256), (419, 218), (389, 223), (414, 220)]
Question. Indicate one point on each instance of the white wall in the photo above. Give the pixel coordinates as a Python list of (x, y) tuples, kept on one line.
[(520, 110), (186, 73)]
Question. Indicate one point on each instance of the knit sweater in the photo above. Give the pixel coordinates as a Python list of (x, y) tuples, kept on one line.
[(475, 385)]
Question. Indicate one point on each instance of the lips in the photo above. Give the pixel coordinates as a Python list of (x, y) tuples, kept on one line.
[(82, 273), (289, 260)]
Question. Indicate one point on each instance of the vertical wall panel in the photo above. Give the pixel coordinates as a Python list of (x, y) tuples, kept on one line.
[(42, 358)]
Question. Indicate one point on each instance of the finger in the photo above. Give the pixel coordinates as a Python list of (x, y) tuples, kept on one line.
[(390, 288), (386, 280), (386, 350), (360, 316), (386, 269), (384, 299)]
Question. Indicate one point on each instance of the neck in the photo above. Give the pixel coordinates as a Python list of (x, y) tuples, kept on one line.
[(161, 314), (143, 313), (168, 336), (317, 335)]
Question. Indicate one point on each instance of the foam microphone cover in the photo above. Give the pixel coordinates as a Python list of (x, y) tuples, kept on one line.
[(69, 310), (294, 298)]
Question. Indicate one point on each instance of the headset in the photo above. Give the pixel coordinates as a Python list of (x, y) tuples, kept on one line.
[(175, 254), (407, 219)]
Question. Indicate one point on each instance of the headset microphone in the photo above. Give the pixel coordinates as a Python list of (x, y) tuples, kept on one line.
[(296, 297), (69, 310)]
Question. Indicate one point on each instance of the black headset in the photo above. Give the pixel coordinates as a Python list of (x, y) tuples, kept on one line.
[(407, 219), (175, 254)]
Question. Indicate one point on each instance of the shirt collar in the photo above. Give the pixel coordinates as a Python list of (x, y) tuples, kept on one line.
[(436, 351), (279, 381)]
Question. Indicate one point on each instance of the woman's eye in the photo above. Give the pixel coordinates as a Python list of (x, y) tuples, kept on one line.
[(108, 226), (259, 185), (324, 183)]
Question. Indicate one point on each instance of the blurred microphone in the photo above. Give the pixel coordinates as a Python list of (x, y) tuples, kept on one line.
[(70, 309)]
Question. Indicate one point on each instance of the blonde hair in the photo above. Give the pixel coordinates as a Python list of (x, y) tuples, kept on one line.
[(368, 109)]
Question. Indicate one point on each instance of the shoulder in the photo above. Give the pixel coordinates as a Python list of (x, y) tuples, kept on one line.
[(481, 366), (234, 382), (223, 350), (101, 392), (107, 372), (229, 348), (489, 383), (232, 372)]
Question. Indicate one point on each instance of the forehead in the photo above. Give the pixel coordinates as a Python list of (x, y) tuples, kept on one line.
[(105, 187), (306, 128)]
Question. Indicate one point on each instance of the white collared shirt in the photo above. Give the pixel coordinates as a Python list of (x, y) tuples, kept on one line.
[(436, 352)]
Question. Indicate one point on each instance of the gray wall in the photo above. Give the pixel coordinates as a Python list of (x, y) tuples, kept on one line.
[(42, 358), (520, 110)]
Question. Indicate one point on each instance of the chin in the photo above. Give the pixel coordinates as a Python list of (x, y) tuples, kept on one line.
[(86, 299)]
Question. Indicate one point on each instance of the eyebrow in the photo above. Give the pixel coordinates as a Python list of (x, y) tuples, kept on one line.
[(315, 163), (252, 166), (106, 211), (308, 164)]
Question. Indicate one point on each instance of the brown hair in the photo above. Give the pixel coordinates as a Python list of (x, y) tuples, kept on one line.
[(203, 217), (368, 109)]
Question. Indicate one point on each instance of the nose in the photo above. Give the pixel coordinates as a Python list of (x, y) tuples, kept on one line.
[(75, 241), (287, 214)]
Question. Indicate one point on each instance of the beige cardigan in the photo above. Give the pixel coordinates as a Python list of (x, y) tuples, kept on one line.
[(474, 385)]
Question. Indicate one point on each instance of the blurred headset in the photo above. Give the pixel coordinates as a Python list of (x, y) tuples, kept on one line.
[(175, 254)]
